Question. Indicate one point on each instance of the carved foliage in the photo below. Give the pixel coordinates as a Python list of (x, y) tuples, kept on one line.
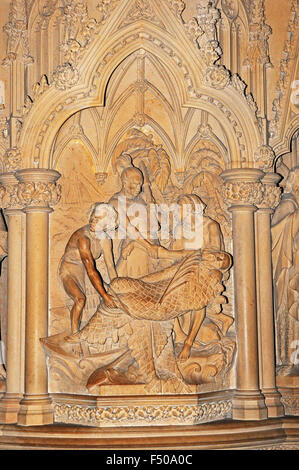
[(177, 6), (264, 157), (255, 193), (39, 194), (145, 415), (79, 26), (16, 30), (37, 90), (207, 16), (288, 57), (259, 33), (8, 197), (271, 197), (141, 9), (12, 159), (217, 76), (29, 194), (105, 8), (243, 192), (65, 76), (79, 31)]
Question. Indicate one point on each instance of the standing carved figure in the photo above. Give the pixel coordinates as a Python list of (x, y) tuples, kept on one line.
[(129, 201), (285, 251), (86, 245)]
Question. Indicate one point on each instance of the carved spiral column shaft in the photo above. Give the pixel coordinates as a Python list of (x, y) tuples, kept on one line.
[(38, 190), (9, 405), (242, 190)]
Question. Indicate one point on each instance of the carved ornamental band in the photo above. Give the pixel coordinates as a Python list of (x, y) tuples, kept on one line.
[(252, 193), (29, 188), (243, 193), (17, 196), (39, 194)]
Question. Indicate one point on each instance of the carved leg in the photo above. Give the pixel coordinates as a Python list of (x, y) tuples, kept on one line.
[(198, 318), (74, 291)]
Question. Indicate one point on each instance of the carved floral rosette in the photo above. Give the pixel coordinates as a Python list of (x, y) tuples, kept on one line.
[(217, 76), (65, 76), (264, 157)]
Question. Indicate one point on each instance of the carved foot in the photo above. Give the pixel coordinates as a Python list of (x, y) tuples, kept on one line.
[(227, 323), (185, 353), (74, 338)]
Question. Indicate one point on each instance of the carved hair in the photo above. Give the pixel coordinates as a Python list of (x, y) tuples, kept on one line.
[(192, 199), (131, 171), (102, 205)]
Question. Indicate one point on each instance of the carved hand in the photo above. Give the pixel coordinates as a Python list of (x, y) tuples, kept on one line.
[(127, 250), (109, 301)]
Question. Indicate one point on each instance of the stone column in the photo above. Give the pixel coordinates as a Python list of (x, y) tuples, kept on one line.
[(9, 405), (242, 191), (38, 191), (271, 198)]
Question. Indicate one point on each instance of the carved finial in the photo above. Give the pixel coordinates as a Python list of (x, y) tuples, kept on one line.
[(16, 30)]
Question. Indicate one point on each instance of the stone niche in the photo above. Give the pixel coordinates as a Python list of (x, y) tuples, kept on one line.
[(138, 191), (178, 154)]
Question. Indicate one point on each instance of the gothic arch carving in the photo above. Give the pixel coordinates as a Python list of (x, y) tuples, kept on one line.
[(238, 118)]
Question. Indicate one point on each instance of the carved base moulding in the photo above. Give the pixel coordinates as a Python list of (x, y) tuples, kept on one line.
[(273, 434), (288, 387), (139, 411)]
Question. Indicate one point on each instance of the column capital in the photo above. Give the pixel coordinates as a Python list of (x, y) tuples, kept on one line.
[(37, 188), (37, 175), (242, 186), (9, 192), (271, 192), (242, 175)]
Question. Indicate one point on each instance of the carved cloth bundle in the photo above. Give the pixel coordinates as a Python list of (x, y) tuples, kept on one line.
[(191, 285)]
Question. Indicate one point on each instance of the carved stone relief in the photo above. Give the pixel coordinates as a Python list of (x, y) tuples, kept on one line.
[(96, 344), (141, 292)]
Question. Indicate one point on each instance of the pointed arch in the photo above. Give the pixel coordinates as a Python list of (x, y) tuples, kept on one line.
[(101, 59)]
